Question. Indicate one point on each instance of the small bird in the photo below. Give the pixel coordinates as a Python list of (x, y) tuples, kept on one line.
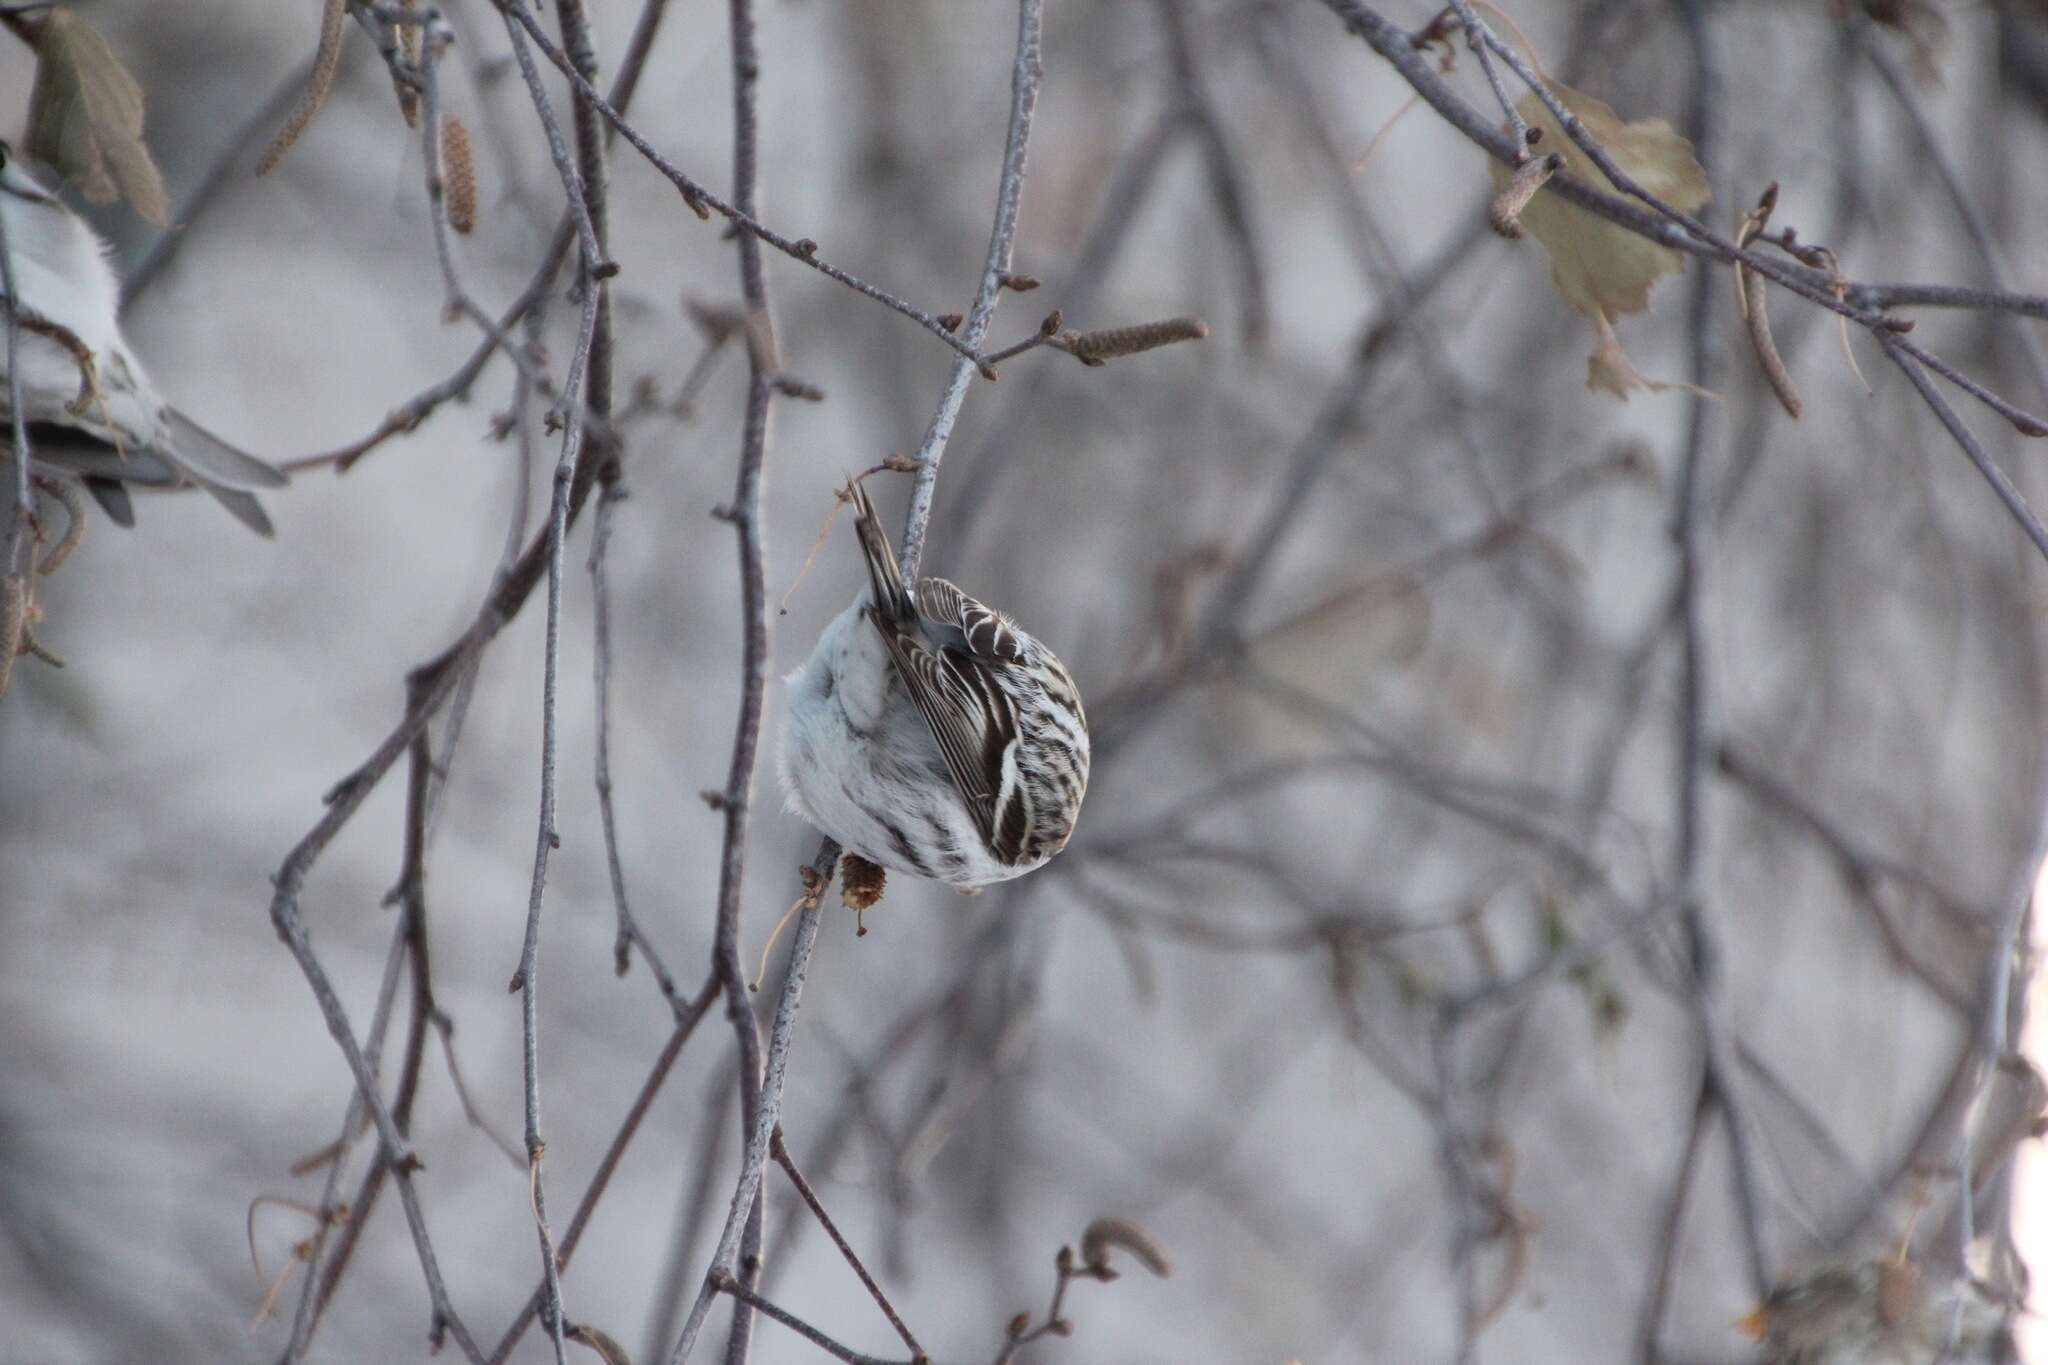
[(89, 406), (929, 734), (1879, 1312)]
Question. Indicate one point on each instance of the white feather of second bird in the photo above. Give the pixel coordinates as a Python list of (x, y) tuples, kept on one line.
[(62, 274)]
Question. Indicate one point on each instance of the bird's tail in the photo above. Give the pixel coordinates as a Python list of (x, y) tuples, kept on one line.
[(223, 471), (891, 597), (214, 461)]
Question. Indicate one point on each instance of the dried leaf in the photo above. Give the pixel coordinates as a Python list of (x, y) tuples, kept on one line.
[(85, 117), (607, 1348), (1760, 339), (1609, 367), (1105, 1233), (1754, 304), (1602, 269)]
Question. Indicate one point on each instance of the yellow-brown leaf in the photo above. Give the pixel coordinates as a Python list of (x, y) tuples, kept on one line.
[(1601, 267), (85, 117)]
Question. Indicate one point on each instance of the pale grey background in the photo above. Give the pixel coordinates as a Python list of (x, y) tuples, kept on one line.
[(1874, 627)]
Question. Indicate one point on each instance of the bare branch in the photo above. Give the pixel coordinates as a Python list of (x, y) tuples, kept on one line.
[(1024, 81)]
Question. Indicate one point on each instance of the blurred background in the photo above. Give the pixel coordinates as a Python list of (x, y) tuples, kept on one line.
[(1366, 986)]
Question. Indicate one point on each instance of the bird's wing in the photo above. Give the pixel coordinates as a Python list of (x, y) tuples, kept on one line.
[(108, 472), (970, 715), (989, 635), (78, 451)]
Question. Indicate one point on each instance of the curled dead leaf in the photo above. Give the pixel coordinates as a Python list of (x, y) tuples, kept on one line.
[(1105, 1233), (605, 1346), (1754, 304), (1760, 339)]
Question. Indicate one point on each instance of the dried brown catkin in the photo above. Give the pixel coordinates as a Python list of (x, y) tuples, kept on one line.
[(409, 48), (325, 60), (458, 174), (1095, 347)]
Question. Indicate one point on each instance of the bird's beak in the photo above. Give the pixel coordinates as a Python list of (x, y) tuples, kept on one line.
[(1754, 1323)]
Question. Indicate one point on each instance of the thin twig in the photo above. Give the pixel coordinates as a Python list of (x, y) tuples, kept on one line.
[(1668, 1238), (584, 190), (430, 688), (740, 1243), (769, 1109), (14, 539), (1950, 175), (739, 212), (218, 177), (1702, 956), (601, 1180), (630, 934), (780, 1150), (973, 488), (1861, 872), (1648, 216), (726, 1284), (1233, 200), (1659, 222), (2008, 493), (1475, 38), (408, 417), (1024, 80), (306, 1316), (426, 690)]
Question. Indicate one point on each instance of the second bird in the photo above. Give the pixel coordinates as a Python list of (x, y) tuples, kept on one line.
[(89, 406)]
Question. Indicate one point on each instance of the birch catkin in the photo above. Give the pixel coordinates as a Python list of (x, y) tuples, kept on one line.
[(458, 174), (1092, 348), (409, 48), (325, 61)]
